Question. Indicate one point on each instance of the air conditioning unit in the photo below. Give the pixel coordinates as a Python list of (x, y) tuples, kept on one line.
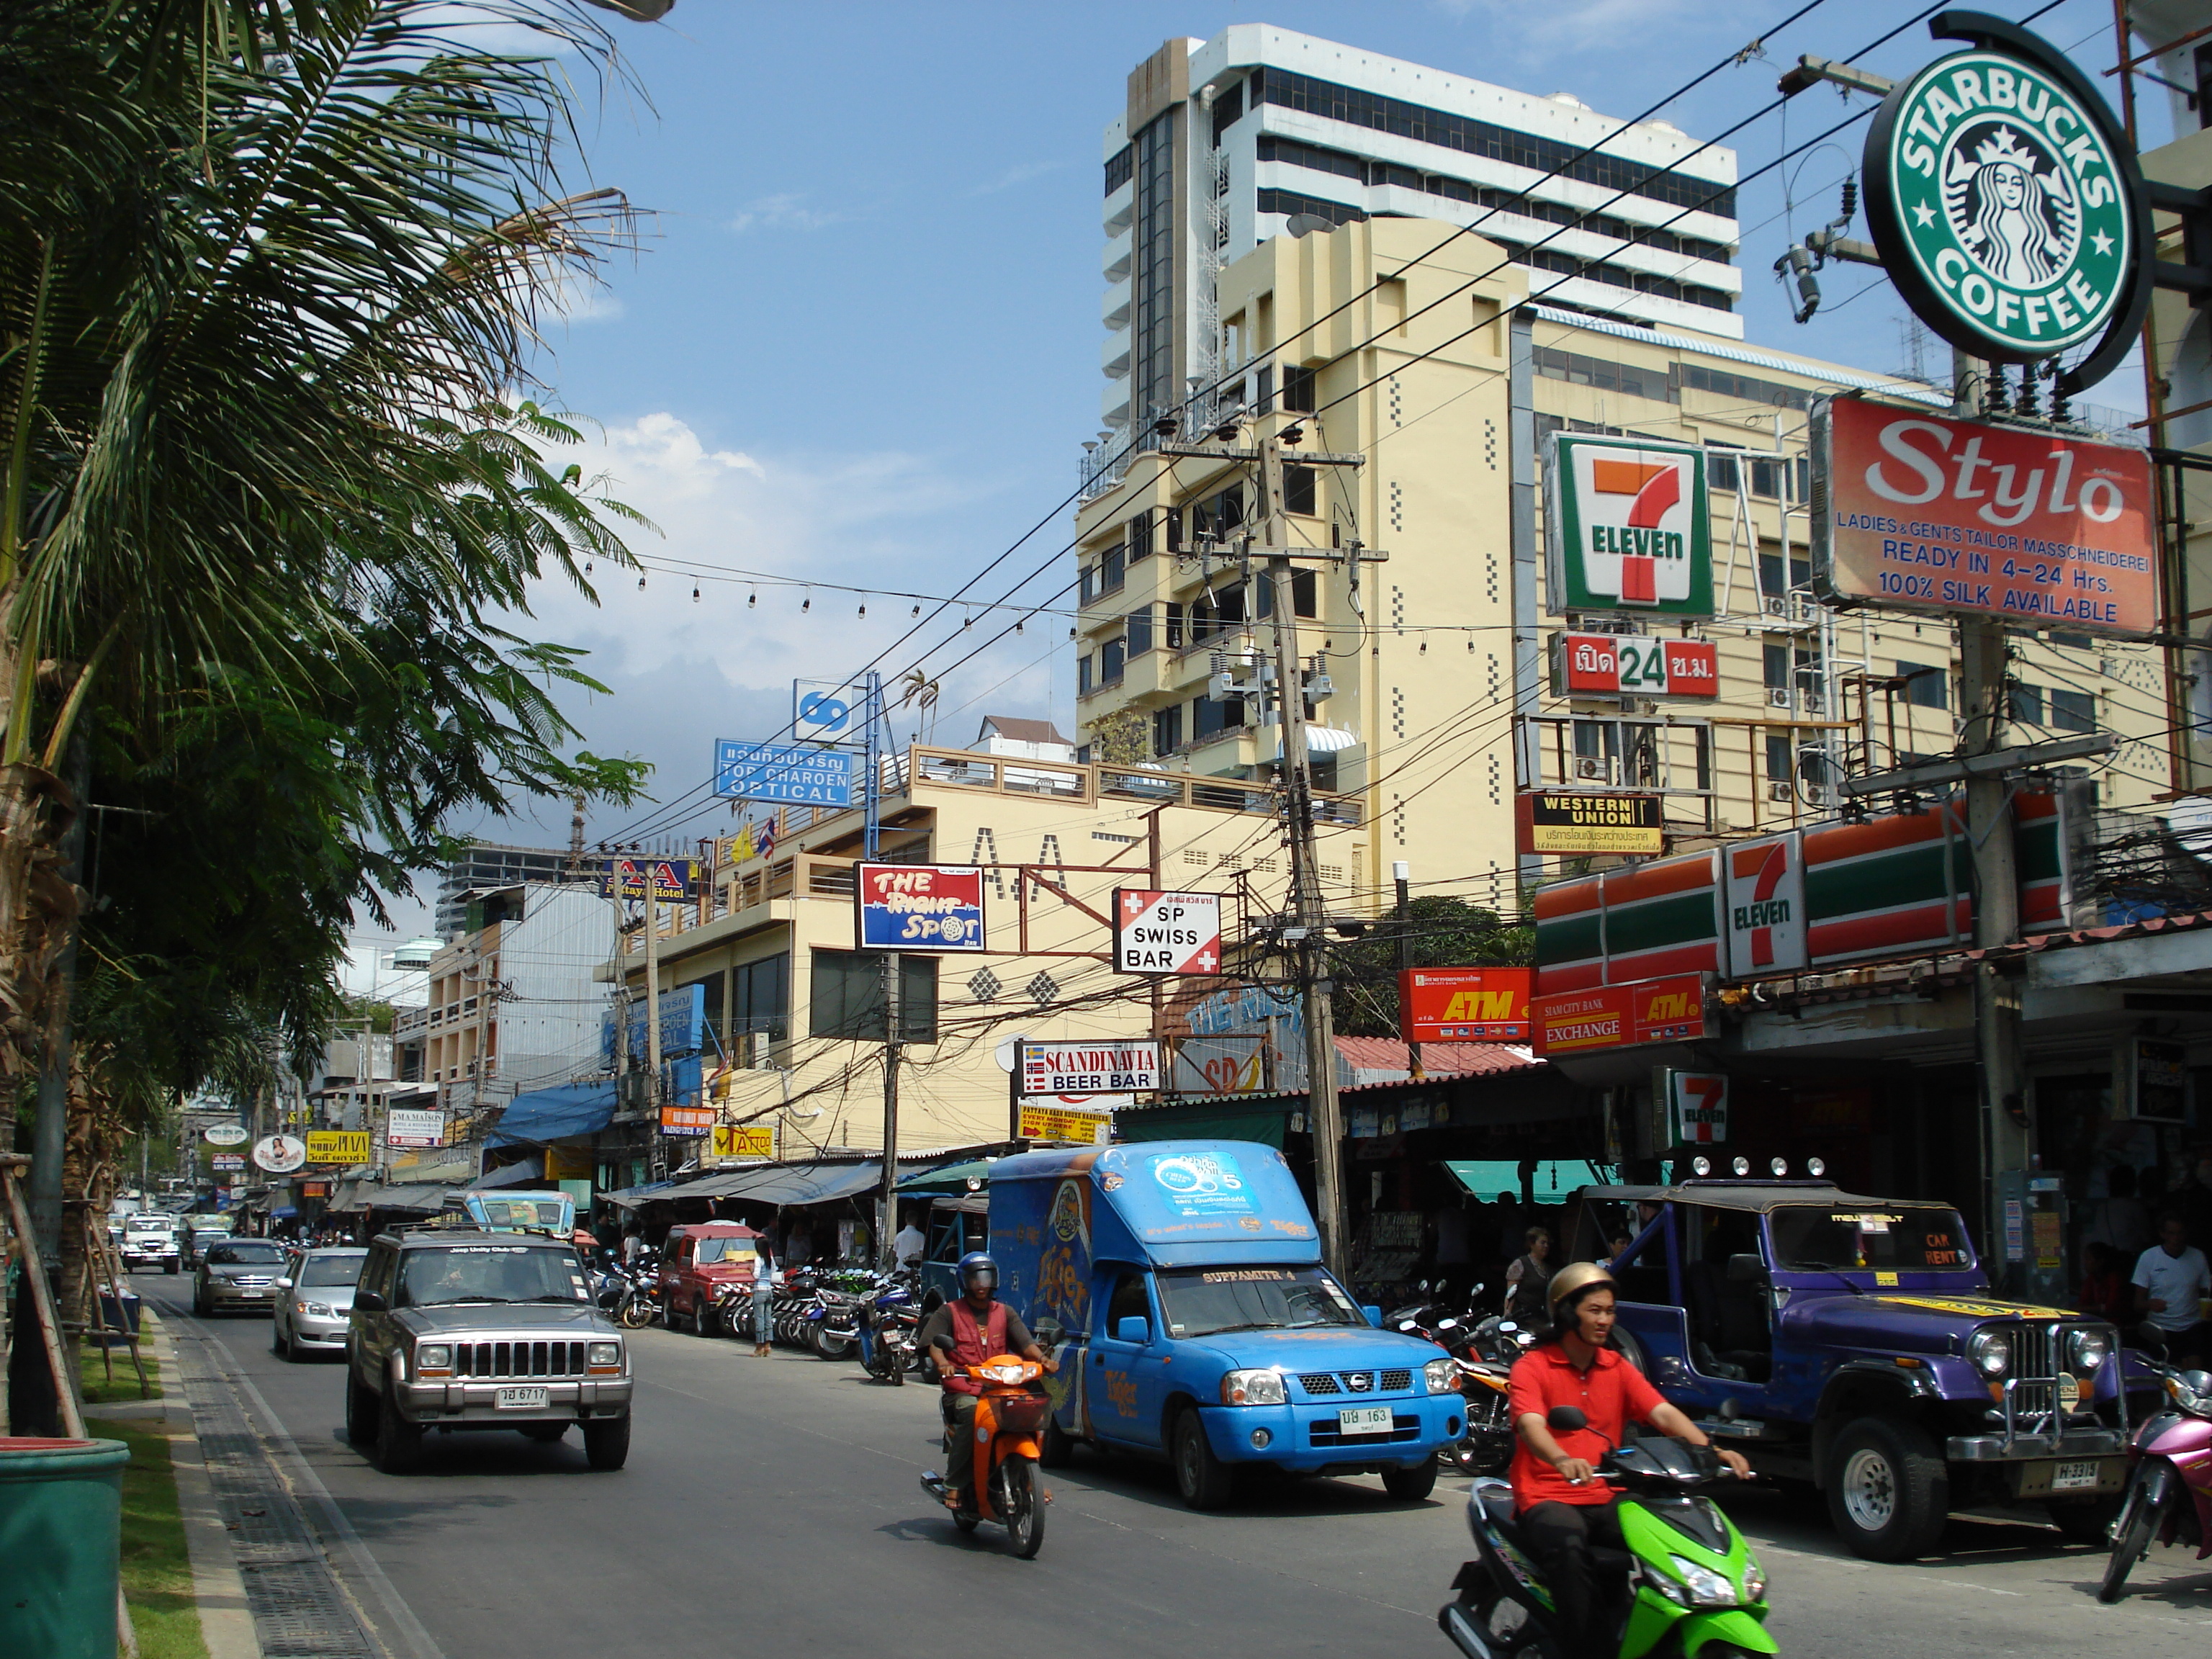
[(1777, 696), (1779, 792), (753, 1050), (1592, 769), (1774, 604), (1816, 794)]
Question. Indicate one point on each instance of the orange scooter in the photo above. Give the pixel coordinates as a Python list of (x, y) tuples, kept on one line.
[(1003, 1487)]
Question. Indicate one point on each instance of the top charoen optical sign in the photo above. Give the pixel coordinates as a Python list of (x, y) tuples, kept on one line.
[(2004, 202)]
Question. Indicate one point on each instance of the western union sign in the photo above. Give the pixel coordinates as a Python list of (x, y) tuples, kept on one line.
[(1555, 821)]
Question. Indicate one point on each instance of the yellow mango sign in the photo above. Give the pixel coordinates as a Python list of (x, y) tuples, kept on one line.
[(338, 1147), (742, 1140)]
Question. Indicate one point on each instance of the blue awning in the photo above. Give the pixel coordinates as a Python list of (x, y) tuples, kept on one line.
[(544, 1115), (529, 1169)]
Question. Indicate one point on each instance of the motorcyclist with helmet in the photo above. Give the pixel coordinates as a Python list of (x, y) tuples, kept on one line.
[(968, 1332), (1562, 1507)]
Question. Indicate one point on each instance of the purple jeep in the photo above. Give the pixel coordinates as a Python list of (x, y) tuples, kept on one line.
[(1853, 1342)]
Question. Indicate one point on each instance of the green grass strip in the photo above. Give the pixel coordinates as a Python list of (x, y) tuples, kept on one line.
[(93, 1379), (157, 1573)]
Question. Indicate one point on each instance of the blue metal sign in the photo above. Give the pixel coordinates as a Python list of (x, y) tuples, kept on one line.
[(683, 1025), (767, 771)]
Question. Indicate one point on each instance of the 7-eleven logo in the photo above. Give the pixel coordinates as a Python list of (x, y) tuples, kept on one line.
[(1766, 906), (1633, 508)]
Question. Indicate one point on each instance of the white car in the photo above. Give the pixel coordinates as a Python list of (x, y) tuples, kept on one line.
[(150, 1241), (315, 1305)]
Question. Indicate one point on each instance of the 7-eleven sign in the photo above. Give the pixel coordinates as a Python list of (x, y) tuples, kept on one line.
[(1697, 1107), (1158, 933), (1766, 906)]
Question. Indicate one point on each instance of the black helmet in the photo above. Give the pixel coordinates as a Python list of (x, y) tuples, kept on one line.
[(979, 1264)]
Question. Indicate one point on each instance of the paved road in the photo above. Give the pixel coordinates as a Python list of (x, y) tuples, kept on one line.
[(774, 1502)]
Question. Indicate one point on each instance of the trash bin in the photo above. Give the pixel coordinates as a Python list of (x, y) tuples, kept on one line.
[(115, 1318), (61, 1525)]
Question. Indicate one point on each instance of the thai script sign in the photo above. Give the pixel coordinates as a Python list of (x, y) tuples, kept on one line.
[(1562, 821), (1045, 1120), (1626, 526), (785, 772), (1966, 518), (1634, 665), (930, 909), (337, 1145), (1464, 1005)]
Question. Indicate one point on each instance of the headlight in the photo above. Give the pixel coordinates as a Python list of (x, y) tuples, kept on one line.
[(434, 1357), (605, 1353), (317, 1309), (1755, 1580), (1666, 1586), (1441, 1377), (1991, 1351), (2088, 1350), (1005, 1373), (1252, 1388), (1707, 1588)]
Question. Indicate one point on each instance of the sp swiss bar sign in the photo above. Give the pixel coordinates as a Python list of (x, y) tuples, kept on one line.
[(1966, 518), (1157, 932)]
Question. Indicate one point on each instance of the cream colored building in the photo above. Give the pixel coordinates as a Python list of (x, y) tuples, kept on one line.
[(798, 1010), (1399, 337)]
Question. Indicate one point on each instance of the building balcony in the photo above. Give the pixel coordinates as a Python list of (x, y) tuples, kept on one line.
[(1115, 311), (1113, 356), (1116, 261), (1120, 208)]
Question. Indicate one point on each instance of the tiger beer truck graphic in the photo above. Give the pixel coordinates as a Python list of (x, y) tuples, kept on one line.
[(1180, 1286)]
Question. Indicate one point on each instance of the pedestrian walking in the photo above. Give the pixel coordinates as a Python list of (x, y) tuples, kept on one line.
[(1529, 1277), (763, 1298)]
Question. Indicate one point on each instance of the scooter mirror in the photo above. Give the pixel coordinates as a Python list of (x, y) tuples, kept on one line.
[(1447, 1324), (1507, 1326), (1565, 1419), (1406, 1325)]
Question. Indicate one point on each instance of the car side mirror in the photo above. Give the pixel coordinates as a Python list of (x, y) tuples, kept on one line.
[(1372, 1315), (369, 1301), (1565, 1419), (283, 1283), (1133, 1328), (1746, 1269)]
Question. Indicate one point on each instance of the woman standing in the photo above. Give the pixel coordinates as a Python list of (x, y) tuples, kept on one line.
[(763, 1298), (1529, 1277)]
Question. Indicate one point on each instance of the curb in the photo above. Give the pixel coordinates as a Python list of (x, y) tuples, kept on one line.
[(226, 1621)]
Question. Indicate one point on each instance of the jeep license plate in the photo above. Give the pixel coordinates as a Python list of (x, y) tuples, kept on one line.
[(508, 1400), (1364, 1419), (2068, 1476)]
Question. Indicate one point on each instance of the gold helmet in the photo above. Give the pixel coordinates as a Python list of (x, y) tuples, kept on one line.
[(1575, 1276)]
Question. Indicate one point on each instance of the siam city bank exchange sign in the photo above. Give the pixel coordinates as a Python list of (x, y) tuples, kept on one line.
[(2005, 200)]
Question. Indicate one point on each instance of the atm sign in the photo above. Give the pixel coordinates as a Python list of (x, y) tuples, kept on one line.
[(1464, 1005)]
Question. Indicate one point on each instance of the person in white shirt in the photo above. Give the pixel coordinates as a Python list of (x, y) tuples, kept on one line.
[(2172, 1285), (910, 1244)]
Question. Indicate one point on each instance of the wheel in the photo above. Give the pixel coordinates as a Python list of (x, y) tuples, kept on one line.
[(606, 1442), (1020, 1502), (1411, 1485), (830, 1348), (200, 1306), (636, 1313), (1057, 1450), (1203, 1480), (361, 1408), (2084, 1519), (545, 1434), (277, 1345), (2131, 1536), (1889, 1493), (965, 1523), (398, 1442)]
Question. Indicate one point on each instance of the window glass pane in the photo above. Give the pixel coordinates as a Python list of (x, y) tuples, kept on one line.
[(1926, 686), (1167, 730), (1299, 489), (1141, 630), (2073, 711), (1109, 662), (2024, 704), (1777, 758), (1305, 587), (1110, 570), (1775, 659)]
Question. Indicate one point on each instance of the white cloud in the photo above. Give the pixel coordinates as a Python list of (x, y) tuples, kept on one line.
[(1017, 175), (1575, 28), (579, 298), (786, 211)]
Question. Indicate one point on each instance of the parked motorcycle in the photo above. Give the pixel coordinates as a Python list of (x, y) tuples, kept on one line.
[(890, 1327), (1697, 1587), (2172, 1452), (1004, 1485)]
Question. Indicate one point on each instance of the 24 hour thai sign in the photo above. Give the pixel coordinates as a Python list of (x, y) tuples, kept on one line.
[(1926, 512), (1626, 526), (1088, 1068), (931, 910), (1634, 665)]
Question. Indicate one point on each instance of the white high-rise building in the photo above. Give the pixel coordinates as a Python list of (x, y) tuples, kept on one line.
[(1228, 142)]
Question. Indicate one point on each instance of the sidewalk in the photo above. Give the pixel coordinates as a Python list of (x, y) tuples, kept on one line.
[(226, 1624)]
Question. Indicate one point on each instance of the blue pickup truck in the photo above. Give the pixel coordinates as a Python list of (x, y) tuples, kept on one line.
[(1179, 1284), (1853, 1342)]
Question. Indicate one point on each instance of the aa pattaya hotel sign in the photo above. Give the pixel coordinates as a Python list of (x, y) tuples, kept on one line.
[(1966, 517)]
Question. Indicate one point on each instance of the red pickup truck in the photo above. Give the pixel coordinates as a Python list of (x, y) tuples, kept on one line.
[(700, 1261)]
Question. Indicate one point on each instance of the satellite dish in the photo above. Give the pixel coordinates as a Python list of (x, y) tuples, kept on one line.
[(1004, 1052), (1308, 224)]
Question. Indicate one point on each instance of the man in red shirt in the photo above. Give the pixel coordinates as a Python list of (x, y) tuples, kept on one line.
[(1562, 1507)]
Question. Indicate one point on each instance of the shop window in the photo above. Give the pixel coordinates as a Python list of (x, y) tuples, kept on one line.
[(845, 996), (2073, 711)]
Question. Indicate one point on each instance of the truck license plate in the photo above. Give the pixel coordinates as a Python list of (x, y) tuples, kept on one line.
[(2068, 1475), (1364, 1419), (519, 1399)]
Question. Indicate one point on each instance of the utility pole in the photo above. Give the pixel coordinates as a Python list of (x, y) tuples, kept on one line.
[(887, 1223), (1401, 875), (658, 1141)]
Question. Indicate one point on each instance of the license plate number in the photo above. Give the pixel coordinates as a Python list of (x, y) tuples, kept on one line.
[(1364, 1419), (510, 1399), (2068, 1475)]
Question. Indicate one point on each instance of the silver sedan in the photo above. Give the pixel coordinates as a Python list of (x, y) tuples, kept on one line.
[(315, 1301)]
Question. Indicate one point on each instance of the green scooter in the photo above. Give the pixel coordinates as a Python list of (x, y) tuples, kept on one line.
[(1698, 1592)]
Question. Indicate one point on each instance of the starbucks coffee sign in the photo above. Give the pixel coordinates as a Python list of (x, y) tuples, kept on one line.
[(2006, 202)]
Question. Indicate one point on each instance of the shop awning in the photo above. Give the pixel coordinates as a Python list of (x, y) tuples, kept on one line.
[(768, 1183), (1322, 739), (949, 1178), (1555, 1181), (1263, 1121), (543, 1115), (512, 1174), (429, 1197)]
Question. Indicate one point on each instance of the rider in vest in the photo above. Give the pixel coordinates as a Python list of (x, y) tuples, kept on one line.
[(976, 1327)]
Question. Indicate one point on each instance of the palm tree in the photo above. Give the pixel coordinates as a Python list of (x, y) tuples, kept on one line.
[(269, 273)]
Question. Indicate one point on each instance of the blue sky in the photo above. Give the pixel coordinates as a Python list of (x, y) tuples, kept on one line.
[(860, 343)]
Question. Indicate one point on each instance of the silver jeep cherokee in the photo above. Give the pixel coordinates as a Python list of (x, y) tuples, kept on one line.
[(459, 1328)]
